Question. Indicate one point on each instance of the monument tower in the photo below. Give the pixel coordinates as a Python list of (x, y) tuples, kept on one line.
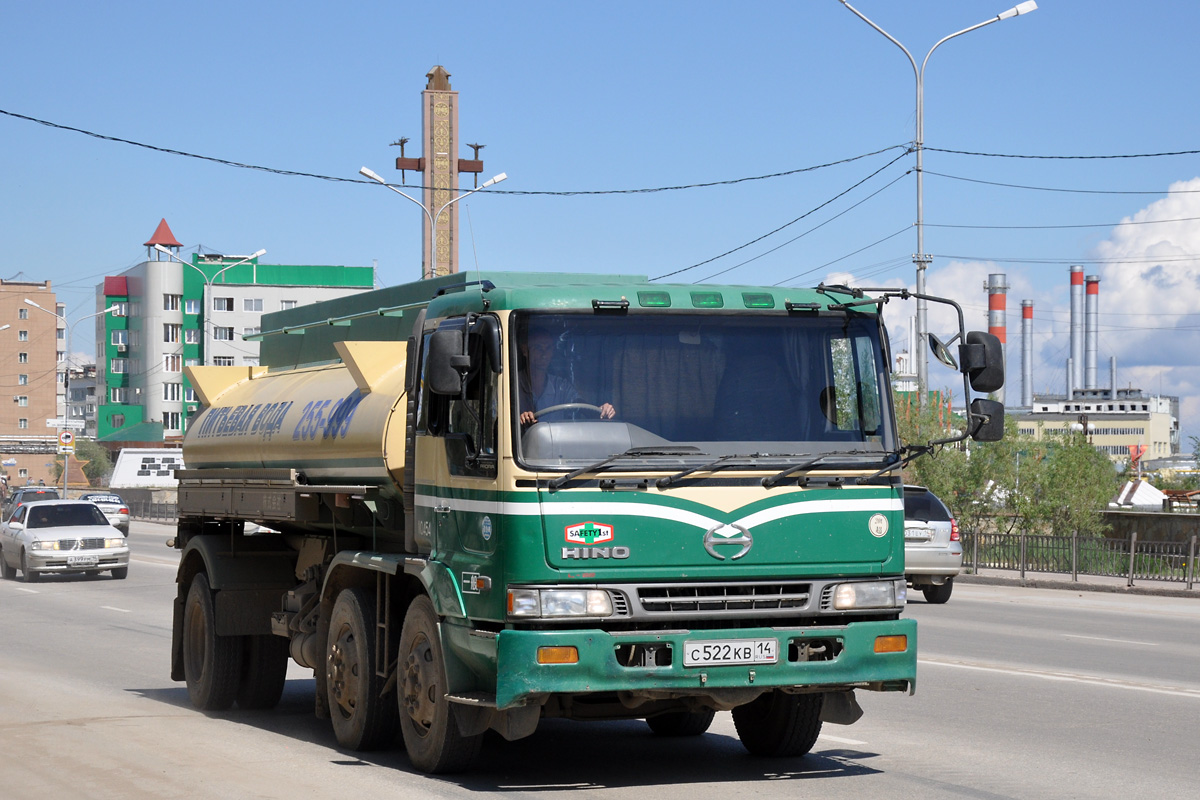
[(441, 167)]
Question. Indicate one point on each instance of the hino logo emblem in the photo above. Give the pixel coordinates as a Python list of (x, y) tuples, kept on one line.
[(728, 535)]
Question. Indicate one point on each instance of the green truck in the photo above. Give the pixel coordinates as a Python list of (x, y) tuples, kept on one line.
[(476, 501)]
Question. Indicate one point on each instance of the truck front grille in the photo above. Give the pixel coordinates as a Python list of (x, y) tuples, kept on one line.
[(723, 598)]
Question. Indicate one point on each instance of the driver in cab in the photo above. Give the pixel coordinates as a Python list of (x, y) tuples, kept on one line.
[(541, 390)]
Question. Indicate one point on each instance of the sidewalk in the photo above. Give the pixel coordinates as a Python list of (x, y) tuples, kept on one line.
[(1086, 583)]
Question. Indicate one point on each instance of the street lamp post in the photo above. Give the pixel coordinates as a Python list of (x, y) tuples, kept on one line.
[(921, 258), (433, 218), (67, 371), (207, 291)]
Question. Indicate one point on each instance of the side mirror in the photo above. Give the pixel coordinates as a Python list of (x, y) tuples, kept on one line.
[(489, 327), (941, 352), (446, 365), (982, 359), (987, 420)]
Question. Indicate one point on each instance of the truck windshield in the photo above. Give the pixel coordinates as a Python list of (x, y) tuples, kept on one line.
[(590, 386)]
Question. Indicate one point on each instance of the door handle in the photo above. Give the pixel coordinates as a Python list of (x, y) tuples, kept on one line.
[(441, 509)]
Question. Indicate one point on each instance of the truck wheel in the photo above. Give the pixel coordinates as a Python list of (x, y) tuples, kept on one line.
[(264, 671), (938, 594), (681, 723), (211, 663), (362, 719), (8, 571), (778, 724), (431, 734)]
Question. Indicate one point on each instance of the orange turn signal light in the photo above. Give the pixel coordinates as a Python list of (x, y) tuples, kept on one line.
[(558, 655), (891, 644)]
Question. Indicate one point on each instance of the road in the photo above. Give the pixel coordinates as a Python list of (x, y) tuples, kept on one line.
[(1022, 693)]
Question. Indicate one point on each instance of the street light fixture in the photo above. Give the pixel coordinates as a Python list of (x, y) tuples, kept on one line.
[(67, 369), (207, 291), (433, 218), (921, 259)]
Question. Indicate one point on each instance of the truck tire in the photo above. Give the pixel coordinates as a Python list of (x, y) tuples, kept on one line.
[(779, 725), (431, 735), (681, 723), (362, 718), (264, 671), (211, 663), (938, 594)]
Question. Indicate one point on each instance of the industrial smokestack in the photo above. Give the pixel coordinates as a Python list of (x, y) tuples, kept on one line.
[(1076, 328), (1070, 379), (997, 290), (1112, 377), (1027, 353), (1091, 329)]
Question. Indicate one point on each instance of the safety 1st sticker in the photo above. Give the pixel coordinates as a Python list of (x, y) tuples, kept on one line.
[(589, 533)]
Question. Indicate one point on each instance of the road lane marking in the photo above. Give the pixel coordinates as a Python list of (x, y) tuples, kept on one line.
[(1070, 677), (114, 608), (27, 591), (840, 740), (1106, 639)]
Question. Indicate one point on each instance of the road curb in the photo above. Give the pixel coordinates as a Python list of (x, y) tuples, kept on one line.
[(1075, 586)]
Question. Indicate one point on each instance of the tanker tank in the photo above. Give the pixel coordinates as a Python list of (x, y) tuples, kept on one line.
[(335, 424)]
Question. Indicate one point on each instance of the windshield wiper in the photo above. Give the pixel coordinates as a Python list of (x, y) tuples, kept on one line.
[(779, 477), (711, 466), (633, 452)]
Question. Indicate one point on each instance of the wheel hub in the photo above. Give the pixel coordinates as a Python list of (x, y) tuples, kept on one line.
[(420, 685)]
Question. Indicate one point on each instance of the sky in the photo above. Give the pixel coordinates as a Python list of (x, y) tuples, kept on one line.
[(1044, 136)]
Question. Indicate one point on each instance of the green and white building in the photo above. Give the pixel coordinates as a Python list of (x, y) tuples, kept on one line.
[(172, 314)]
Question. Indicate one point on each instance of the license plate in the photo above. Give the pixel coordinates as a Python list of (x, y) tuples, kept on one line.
[(732, 651), (82, 561), (918, 535)]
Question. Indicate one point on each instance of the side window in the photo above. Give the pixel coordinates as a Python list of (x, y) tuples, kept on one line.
[(853, 404), (467, 421)]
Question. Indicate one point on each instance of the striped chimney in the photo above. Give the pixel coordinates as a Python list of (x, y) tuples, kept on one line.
[(1091, 329), (1076, 329), (1027, 353), (997, 290)]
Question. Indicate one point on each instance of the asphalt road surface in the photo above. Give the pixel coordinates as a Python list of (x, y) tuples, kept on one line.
[(1022, 693)]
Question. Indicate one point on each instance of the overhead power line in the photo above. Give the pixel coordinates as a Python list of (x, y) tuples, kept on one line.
[(785, 225), (337, 179), (1059, 189), (1065, 158)]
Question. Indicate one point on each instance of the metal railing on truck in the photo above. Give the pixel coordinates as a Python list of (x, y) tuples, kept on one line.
[(1077, 555), (153, 511)]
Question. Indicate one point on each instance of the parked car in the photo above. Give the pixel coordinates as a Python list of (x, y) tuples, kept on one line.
[(26, 494), (932, 547), (50, 536), (116, 509)]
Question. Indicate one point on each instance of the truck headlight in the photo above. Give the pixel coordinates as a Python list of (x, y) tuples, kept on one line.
[(534, 603), (870, 594)]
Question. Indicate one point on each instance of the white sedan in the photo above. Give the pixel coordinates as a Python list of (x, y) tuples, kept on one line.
[(57, 536)]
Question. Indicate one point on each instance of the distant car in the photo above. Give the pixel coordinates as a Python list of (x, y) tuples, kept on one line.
[(27, 494), (116, 509), (932, 546), (57, 536)]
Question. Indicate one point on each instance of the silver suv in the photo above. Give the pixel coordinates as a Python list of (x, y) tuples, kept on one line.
[(932, 547)]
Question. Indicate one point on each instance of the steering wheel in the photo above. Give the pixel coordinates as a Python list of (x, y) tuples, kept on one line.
[(568, 407)]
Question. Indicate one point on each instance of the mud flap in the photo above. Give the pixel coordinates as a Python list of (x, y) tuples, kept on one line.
[(512, 723), (841, 708)]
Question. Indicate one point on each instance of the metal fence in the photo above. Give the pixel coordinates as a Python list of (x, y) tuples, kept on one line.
[(151, 510), (1076, 555)]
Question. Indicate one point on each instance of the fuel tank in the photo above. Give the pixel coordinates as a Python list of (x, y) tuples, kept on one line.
[(337, 424)]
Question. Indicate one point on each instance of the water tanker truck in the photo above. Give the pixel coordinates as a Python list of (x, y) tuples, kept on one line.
[(482, 501)]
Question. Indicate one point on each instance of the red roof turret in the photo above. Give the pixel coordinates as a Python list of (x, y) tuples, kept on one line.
[(162, 235)]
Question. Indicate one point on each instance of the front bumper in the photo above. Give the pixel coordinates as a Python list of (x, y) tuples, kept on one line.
[(50, 561), (521, 679)]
